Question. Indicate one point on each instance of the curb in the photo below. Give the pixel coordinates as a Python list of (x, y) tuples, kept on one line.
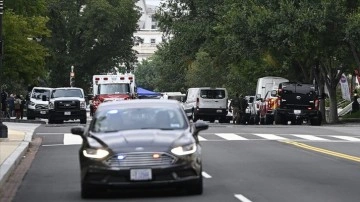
[(12, 161), (22, 121)]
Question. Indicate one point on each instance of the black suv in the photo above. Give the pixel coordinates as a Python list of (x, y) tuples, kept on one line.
[(297, 102)]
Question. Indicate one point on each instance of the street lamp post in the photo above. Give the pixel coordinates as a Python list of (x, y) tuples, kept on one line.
[(3, 128)]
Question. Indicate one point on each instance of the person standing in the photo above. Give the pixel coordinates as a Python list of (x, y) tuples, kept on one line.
[(11, 103), (22, 106), (235, 107), (3, 102), (17, 106)]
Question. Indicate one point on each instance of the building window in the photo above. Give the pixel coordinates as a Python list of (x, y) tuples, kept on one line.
[(152, 41)]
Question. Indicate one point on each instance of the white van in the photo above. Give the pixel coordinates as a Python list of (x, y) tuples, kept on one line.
[(36, 107), (266, 84), (206, 103), (173, 96)]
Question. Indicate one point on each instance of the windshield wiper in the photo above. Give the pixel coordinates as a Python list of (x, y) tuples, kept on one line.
[(157, 128)]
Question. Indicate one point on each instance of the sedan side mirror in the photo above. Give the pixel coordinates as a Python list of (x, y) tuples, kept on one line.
[(199, 126), (78, 130)]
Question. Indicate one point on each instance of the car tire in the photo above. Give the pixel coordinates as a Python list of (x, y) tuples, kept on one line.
[(278, 119), (316, 121), (269, 120), (83, 121), (194, 117), (30, 118), (196, 188)]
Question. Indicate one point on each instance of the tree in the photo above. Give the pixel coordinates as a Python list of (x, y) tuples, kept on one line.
[(94, 36), (24, 56)]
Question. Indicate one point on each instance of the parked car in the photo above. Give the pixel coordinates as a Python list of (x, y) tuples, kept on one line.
[(36, 107), (206, 103), (297, 102), (140, 143), (66, 104)]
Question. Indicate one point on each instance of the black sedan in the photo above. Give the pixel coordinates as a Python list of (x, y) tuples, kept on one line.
[(140, 143)]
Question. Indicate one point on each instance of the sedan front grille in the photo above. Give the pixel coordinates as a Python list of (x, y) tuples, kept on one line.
[(140, 159)]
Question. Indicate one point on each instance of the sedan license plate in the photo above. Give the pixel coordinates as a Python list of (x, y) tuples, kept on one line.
[(219, 111), (297, 111), (140, 174), (42, 112), (67, 113)]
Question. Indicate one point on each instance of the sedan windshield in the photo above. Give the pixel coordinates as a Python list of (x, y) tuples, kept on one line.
[(139, 118)]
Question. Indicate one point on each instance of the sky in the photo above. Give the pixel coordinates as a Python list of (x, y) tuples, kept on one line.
[(153, 2)]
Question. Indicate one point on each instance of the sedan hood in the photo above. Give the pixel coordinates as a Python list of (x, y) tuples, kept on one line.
[(142, 140)]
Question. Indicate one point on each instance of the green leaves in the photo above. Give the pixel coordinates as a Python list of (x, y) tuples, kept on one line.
[(24, 56)]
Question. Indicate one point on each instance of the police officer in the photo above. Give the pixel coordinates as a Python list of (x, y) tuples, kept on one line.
[(235, 106)]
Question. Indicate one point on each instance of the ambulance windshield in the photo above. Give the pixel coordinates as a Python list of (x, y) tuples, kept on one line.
[(114, 88)]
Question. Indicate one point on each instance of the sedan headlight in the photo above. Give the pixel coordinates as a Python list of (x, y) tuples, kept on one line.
[(51, 105), (82, 104), (184, 150), (95, 153)]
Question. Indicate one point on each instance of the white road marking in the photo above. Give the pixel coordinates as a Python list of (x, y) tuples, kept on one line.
[(49, 133), (310, 137), (204, 174), (230, 136), (70, 139), (201, 138), (271, 136), (353, 139), (242, 198)]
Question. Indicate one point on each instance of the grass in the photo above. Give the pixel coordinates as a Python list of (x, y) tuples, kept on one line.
[(352, 115)]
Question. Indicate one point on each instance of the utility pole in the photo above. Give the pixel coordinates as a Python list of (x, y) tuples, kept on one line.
[(1, 37), (72, 77), (3, 128)]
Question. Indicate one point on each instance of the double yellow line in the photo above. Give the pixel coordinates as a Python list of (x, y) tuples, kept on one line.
[(324, 151)]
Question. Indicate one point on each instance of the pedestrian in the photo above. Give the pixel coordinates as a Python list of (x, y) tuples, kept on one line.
[(91, 103), (11, 100), (355, 104), (235, 107), (3, 102), (22, 106), (17, 106)]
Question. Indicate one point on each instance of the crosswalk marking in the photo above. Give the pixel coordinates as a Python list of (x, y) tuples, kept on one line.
[(309, 137), (353, 139), (230, 136), (201, 138), (70, 139), (271, 137)]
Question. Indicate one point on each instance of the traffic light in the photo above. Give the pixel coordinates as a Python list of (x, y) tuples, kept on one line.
[(72, 81)]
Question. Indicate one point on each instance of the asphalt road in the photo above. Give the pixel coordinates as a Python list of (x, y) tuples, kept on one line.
[(241, 163)]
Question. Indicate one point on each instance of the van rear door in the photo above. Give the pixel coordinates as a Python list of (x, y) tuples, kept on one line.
[(213, 98)]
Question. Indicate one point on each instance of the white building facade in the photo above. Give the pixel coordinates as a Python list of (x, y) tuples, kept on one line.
[(148, 29)]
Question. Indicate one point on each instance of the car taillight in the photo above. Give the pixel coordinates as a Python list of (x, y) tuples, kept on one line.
[(197, 102), (278, 101), (316, 107)]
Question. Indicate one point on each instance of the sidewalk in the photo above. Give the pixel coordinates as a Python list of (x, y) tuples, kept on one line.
[(14, 147)]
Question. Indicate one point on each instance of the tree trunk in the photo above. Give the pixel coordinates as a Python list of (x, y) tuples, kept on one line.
[(333, 115)]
